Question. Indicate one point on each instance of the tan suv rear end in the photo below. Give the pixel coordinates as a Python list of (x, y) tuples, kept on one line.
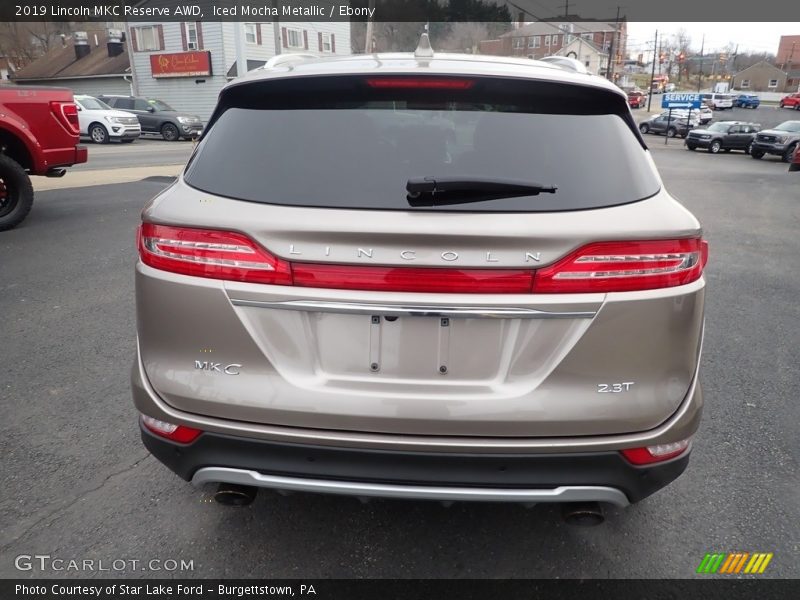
[(456, 278)]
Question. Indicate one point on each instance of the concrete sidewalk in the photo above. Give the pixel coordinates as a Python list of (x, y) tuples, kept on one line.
[(85, 178)]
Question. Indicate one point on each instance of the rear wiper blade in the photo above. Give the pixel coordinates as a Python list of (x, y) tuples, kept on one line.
[(436, 191)]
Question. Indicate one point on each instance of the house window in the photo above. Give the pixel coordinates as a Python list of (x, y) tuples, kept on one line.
[(147, 38), (587, 36), (773, 83), (534, 41), (518, 42), (251, 33), (547, 40), (190, 31), (568, 38), (326, 43), (294, 38), (745, 83), (555, 40)]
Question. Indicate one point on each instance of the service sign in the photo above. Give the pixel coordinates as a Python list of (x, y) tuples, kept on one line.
[(181, 64), (680, 100)]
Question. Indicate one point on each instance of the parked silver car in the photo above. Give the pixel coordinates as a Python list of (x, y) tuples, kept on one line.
[(399, 276)]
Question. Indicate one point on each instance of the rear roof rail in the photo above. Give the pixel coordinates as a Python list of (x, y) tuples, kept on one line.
[(566, 63), (286, 59)]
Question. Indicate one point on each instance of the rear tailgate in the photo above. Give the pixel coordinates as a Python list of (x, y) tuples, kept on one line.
[(359, 344)]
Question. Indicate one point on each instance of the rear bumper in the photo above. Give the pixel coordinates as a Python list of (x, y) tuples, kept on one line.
[(64, 157), (510, 477)]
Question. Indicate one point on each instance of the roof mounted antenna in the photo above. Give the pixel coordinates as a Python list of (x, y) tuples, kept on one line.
[(424, 49)]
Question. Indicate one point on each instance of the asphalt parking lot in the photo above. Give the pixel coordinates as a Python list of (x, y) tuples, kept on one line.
[(77, 482)]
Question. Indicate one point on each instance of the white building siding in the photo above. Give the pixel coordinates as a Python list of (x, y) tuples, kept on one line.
[(194, 95), (198, 95)]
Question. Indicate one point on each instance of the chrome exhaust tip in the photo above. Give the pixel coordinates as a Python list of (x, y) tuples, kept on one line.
[(233, 494)]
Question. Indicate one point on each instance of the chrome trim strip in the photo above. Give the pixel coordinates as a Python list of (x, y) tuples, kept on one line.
[(578, 493), (399, 310)]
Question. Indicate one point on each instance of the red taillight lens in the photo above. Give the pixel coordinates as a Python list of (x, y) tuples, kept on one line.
[(426, 83), (625, 266), (598, 267), (67, 115), (177, 433), (653, 454), (407, 279), (214, 254)]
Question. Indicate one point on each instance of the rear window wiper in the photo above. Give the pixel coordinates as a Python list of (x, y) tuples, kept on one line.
[(440, 191)]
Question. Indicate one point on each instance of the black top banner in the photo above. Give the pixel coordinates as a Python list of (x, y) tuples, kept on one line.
[(398, 589), (399, 10)]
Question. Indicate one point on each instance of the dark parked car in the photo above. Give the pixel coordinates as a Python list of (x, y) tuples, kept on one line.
[(781, 140), (663, 124), (746, 101), (158, 117), (724, 135)]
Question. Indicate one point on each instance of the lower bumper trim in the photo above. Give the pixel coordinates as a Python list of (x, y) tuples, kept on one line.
[(383, 490)]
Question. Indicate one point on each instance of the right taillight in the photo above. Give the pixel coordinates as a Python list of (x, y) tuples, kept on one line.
[(624, 266)]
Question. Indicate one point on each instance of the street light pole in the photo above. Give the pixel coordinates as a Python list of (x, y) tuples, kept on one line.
[(653, 74)]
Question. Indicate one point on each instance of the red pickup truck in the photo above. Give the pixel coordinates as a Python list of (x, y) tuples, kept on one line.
[(39, 134)]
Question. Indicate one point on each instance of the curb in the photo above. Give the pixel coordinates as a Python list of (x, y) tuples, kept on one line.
[(86, 178)]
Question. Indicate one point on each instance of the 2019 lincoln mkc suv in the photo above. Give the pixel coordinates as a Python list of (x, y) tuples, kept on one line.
[(421, 276)]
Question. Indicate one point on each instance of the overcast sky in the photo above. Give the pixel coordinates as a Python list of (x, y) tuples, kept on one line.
[(755, 37)]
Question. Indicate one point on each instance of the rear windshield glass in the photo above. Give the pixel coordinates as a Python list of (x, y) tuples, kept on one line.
[(361, 151)]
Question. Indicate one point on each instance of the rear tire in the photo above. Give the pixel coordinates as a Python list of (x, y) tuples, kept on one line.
[(672, 132), (16, 193), (170, 133), (644, 128)]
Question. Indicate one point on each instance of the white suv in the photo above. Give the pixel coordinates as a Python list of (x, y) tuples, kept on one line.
[(718, 101), (102, 123)]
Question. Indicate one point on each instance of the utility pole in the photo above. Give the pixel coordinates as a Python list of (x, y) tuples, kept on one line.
[(653, 74), (240, 48), (276, 31), (733, 67), (368, 44), (610, 67), (700, 75)]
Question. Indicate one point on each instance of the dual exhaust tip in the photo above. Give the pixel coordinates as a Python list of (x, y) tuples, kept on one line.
[(583, 514)]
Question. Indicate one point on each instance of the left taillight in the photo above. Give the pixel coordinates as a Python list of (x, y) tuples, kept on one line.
[(177, 433), (67, 115), (624, 267), (213, 254)]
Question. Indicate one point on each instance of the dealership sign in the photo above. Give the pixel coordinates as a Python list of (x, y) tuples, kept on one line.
[(181, 64), (680, 101)]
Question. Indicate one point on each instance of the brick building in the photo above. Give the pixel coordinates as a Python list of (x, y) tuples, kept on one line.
[(545, 38)]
